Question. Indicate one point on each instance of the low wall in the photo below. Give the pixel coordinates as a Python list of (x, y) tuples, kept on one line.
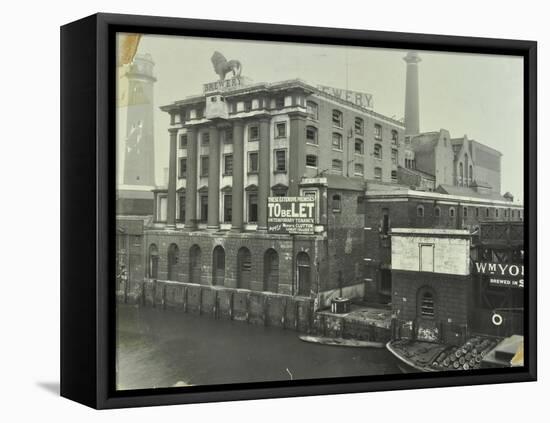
[(262, 308)]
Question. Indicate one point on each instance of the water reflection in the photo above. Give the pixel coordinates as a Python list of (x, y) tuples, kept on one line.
[(157, 348)]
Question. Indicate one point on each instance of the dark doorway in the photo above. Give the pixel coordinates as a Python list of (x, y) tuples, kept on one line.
[(218, 266), (303, 274), (195, 264), (271, 271), (244, 268), (153, 262), (173, 257)]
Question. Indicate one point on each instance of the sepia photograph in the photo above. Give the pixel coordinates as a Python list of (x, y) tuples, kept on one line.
[(291, 211)]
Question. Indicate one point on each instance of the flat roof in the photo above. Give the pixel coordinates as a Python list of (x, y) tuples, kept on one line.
[(437, 196), (430, 231)]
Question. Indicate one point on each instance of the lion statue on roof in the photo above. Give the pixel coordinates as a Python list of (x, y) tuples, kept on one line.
[(222, 66)]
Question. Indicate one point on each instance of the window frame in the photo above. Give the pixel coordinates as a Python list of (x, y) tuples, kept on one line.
[(316, 132), (316, 161), (204, 172), (333, 169), (377, 147), (225, 156), (249, 162), (277, 134), (341, 143), (256, 128), (276, 162), (338, 123)]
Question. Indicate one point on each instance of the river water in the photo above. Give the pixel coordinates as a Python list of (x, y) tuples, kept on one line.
[(159, 348)]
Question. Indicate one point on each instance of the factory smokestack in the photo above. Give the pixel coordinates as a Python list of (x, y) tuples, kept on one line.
[(412, 125)]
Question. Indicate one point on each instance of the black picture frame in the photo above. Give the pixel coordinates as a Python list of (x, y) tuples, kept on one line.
[(87, 208)]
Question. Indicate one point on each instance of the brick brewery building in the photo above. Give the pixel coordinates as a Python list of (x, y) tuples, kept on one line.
[(240, 143)]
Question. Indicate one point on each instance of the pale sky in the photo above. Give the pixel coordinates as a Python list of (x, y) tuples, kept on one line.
[(477, 95)]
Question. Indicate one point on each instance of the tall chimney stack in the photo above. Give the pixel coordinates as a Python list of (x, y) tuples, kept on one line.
[(412, 126)]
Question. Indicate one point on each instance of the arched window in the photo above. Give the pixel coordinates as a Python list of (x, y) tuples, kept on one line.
[(173, 258), (337, 142), (337, 118), (218, 266), (487, 212), (336, 203), (460, 173), (437, 211), (471, 174), (311, 135), (420, 210), (426, 303), (394, 137), (244, 268), (359, 149), (153, 262), (303, 274), (359, 126), (378, 151), (465, 212), (451, 212), (271, 271), (312, 110), (195, 264)]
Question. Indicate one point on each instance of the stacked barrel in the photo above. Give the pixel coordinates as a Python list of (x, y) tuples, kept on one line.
[(465, 357)]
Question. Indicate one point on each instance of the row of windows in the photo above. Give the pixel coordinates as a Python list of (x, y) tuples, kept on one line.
[(358, 123), (452, 212), (279, 165), (280, 132)]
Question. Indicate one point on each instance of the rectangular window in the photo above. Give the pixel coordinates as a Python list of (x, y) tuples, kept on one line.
[(311, 135), (280, 130), (205, 138), (204, 165), (280, 161), (253, 162), (228, 164), (182, 208), (253, 133), (426, 257), (378, 132), (337, 165), (279, 103), (252, 207), (358, 169), (227, 208), (311, 160), (378, 173), (183, 141), (337, 141), (394, 175), (183, 167), (204, 208)]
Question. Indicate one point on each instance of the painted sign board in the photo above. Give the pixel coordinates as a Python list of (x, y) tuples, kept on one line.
[(225, 84), (358, 98), (501, 274), (290, 215)]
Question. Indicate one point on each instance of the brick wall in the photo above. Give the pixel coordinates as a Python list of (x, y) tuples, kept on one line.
[(257, 244), (452, 300), (345, 239)]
